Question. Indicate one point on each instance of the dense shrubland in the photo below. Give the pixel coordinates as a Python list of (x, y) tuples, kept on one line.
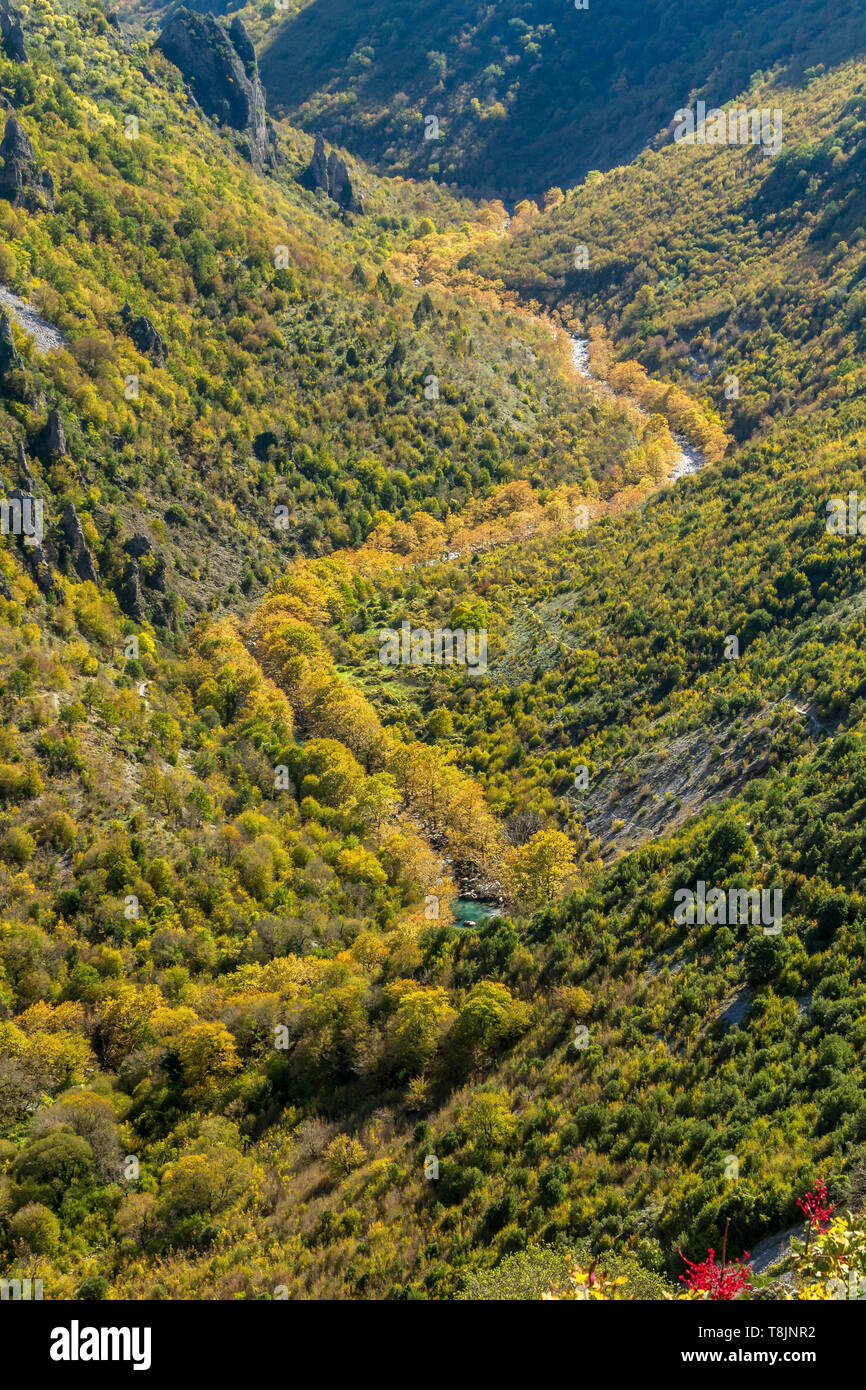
[(237, 1018)]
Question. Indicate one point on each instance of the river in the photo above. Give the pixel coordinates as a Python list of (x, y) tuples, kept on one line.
[(690, 459), (468, 911)]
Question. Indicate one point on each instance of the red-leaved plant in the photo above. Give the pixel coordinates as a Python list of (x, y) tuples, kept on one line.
[(817, 1209), (720, 1283)]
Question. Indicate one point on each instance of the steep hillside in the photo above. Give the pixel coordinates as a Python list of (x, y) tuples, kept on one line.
[(267, 378), (272, 427), (735, 274), (527, 96)]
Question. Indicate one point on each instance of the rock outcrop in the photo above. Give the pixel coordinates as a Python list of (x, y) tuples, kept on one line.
[(140, 548), (330, 173), (129, 594), (29, 539), (243, 46), (24, 517), (219, 65), (50, 442), (21, 180), (147, 339), (11, 33), (40, 568), (144, 577), (25, 477), (10, 358), (82, 560), (114, 21)]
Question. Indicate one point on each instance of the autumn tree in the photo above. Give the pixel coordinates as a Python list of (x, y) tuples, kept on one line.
[(536, 872), (487, 1020), (207, 1055), (419, 1018)]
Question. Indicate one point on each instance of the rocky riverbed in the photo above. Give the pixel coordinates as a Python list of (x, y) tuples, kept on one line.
[(690, 459)]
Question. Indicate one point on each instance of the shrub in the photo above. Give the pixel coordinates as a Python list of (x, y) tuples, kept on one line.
[(35, 1227), (93, 1289), (19, 780), (203, 1184), (58, 830), (343, 1155), (55, 1161), (17, 846)]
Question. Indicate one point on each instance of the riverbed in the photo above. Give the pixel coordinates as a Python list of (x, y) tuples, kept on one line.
[(690, 460)]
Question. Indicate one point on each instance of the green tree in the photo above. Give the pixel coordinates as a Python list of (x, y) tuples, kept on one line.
[(487, 1123), (488, 1018), (36, 1228)]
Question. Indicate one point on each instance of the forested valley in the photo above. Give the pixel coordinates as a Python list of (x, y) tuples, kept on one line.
[(333, 967)]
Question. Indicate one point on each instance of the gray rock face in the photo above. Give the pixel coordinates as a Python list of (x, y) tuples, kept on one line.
[(243, 46), (24, 475), (114, 21), (317, 170), (39, 566), (45, 336), (82, 559), (145, 336), (330, 173), (219, 64), (129, 595), (51, 440), (11, 33), (29, 541), (138, 547), (141, 585), (21, 180)]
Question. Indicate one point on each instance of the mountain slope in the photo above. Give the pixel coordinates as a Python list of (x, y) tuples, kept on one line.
[(736, 275), (527, 96), (246, 1050)]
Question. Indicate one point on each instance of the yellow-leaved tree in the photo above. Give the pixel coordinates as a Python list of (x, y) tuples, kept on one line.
[(536, 873)]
